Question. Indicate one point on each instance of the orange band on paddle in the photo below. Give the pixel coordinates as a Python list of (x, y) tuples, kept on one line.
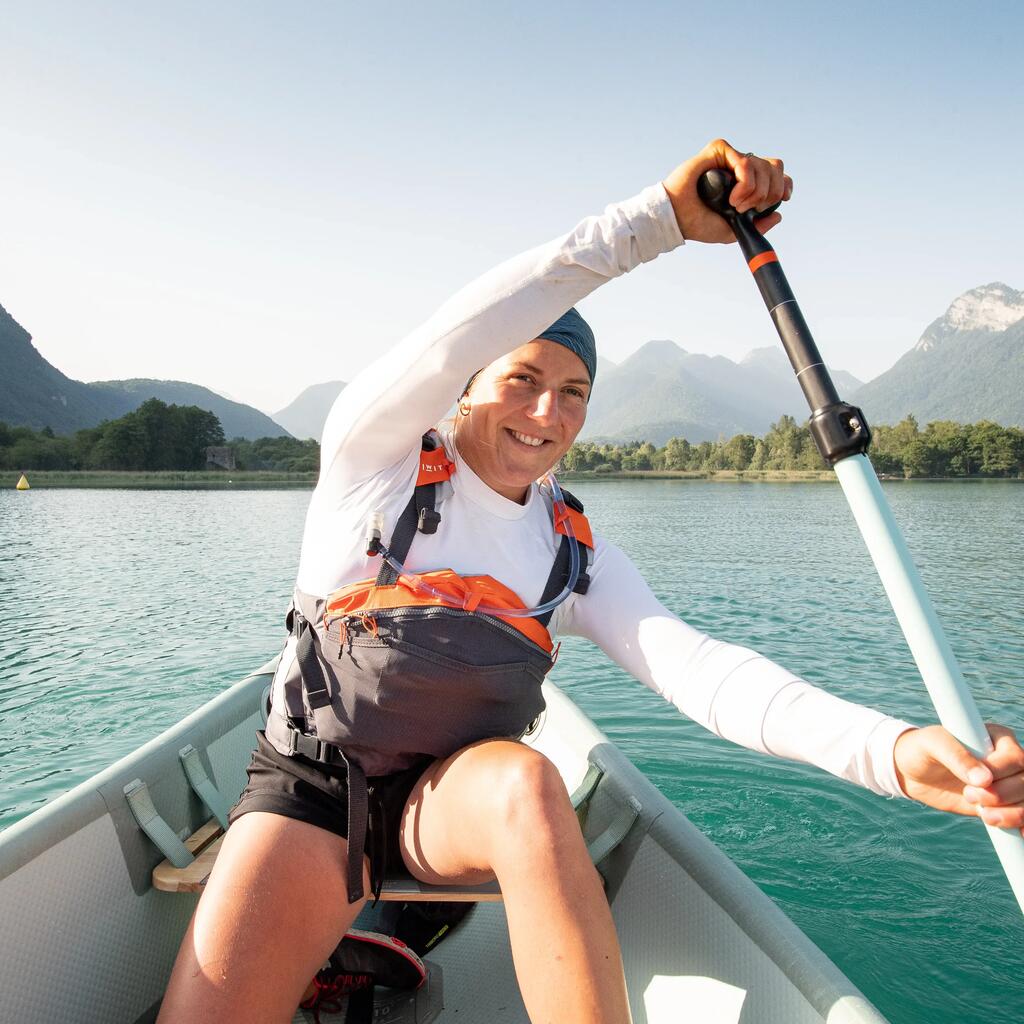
[(759, 261)]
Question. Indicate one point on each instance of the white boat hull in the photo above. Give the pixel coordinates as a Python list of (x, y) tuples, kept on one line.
[(86, 938)]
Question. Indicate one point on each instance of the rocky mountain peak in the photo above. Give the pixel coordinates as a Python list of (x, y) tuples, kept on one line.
[(662, 347), (656, 355), (991, 307)]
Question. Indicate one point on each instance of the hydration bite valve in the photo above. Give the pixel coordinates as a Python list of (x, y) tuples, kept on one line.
[(374, 531)]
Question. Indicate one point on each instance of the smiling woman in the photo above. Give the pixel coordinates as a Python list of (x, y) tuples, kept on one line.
[(395, 719), (521, 414)]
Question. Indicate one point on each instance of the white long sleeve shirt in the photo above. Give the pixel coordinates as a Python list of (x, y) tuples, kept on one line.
[(369, 461)]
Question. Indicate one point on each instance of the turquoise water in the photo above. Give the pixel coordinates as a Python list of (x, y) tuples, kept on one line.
[(120, 611)]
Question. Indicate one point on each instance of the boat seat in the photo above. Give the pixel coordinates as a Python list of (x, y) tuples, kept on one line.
[(189, 862), (204, 845)]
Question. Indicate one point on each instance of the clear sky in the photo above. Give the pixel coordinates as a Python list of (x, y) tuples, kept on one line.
[(261, 196)]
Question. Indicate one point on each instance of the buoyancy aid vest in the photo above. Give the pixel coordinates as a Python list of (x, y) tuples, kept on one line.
[(386, 672)]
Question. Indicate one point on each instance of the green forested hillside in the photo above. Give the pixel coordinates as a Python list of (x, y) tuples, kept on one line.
[(155, 436), (967, 366), (35, 394), (977, 374), (237, 419)]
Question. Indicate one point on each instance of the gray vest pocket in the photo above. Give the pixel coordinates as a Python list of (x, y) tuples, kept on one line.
[(427, 681)]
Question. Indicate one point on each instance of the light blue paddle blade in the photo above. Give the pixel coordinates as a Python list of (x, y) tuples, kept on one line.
[(925, 636)]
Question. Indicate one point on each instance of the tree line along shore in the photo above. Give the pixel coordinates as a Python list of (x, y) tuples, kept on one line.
[(160, 445), (942, 449)]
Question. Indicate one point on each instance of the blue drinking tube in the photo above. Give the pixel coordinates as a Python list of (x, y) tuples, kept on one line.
[(842, 436)]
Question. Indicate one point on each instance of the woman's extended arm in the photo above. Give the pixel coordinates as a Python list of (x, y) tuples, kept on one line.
[(380, 416), (735, 692), (744, 697)]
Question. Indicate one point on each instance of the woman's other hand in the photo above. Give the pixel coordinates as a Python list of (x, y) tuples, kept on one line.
[(936, 769), (760, 183)]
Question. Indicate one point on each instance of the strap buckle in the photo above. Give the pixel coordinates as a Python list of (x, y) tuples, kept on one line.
[(428, 520), (294, 738), (313, 747)]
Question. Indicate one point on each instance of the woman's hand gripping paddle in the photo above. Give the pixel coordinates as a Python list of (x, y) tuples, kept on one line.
[(842, 436)]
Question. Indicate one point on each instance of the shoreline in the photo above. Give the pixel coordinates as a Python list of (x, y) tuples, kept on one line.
[(763, 476), (270, 480), (713, 475), (220, 480)]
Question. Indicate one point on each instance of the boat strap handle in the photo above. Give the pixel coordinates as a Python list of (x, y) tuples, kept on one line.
[(622, 821), (163, 836), (202, 786)]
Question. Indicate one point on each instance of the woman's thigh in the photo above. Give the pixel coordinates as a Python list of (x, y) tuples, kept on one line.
[(467, 809), (272, 912)]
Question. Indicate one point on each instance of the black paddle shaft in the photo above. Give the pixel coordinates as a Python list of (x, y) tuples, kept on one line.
[(838, 428)]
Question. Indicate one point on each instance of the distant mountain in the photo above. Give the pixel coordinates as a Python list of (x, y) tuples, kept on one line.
[(773, 360), (305, 416), (34, 393), (238, 420), (967, 366), (662, 391)]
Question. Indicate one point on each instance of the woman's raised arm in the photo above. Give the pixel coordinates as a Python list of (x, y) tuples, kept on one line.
[(380, 416)]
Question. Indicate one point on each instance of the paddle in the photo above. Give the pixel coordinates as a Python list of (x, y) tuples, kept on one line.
[(842, 436)]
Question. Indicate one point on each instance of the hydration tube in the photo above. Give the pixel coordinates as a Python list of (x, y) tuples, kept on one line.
[(418, 583)]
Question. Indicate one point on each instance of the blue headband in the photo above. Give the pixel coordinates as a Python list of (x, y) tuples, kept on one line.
[(572, 331)]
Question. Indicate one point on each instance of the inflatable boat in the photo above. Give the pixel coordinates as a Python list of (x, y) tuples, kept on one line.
[(97, 887)]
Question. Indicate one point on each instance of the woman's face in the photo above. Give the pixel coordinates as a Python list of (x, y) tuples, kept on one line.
[(524, 411)]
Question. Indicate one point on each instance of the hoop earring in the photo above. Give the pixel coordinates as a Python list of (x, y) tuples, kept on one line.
[(464, 410)]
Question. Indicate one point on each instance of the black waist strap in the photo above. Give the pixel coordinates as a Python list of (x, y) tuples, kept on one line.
[(298, 742)]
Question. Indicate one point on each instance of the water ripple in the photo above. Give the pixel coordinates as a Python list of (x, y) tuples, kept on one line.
[(122, 611)]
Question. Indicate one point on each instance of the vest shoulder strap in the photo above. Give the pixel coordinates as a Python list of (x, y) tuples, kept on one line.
[(571, 510), (420, 514)]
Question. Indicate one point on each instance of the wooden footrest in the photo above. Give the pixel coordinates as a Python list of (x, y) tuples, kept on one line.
[(204, 845)]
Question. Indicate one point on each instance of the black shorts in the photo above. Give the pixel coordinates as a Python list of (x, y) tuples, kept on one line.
[(297, 787)]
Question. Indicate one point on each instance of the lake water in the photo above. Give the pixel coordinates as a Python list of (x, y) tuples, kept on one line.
[(121, 611)]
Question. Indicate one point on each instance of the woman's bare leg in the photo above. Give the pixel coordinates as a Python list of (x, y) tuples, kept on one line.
[(499, 808), (273, 911)]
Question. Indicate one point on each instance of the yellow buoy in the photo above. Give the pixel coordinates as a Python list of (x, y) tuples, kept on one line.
[(23, 483)]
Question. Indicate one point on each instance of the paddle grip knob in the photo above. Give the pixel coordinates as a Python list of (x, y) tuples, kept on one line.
[(714, 188)]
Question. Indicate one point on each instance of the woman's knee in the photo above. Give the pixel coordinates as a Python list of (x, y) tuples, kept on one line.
[(472, 809), (531, 807)]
